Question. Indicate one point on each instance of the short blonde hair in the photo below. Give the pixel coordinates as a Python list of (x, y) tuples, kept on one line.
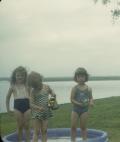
[(32, 78)]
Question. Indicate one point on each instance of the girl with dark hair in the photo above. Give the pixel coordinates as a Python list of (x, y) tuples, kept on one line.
[(81, 99)]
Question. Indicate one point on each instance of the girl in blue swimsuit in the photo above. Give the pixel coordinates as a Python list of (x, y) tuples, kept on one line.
[(81, 99)]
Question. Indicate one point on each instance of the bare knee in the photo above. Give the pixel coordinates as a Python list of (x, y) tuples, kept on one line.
[(35, 135), (26, 126), (73, 128), (36, 131), (20, 128), (44, 131), (83, 128)]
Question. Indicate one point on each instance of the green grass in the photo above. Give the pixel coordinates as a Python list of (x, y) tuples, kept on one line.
[(105, 115)]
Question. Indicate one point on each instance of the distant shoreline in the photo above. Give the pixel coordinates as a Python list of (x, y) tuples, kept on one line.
[(54, 79)]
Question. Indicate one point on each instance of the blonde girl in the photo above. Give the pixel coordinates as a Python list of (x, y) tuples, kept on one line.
[(19, 90), (39, 105)]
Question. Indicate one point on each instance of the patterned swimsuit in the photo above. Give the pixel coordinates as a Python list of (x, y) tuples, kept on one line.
[(83, 97), (41, 99)]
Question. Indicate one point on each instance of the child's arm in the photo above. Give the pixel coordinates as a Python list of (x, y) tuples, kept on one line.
[(72, 98), (52, 103), (10, 91), (51, 92), (29, 89), (91, 101)]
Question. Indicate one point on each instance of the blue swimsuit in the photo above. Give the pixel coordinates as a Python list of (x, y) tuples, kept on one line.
[(82, 97), (21, 101), (21, 105)]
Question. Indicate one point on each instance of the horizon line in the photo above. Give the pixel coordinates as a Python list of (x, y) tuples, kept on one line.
[(68, 78)]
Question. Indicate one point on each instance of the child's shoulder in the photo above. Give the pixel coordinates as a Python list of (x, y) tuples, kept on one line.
[(89, 88), (74, 87), (12, 86)]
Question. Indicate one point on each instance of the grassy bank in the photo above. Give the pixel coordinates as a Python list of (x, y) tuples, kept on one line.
[(104, 116)]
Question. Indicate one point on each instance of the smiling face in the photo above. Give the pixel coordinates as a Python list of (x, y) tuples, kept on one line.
[(81, 78), (20, 77), (81, 75)]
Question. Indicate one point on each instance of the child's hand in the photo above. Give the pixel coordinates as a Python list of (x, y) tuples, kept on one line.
[(85, 104), (51, 101), (41, 108), (91, 104), (10, 113), (80, 104)]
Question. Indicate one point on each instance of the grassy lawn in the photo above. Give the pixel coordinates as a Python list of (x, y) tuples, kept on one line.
[(104, 116)]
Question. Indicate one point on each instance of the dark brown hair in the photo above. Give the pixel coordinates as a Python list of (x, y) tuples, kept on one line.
[(81, 71)]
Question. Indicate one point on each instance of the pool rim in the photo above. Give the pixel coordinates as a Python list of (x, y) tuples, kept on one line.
[(103, 135)]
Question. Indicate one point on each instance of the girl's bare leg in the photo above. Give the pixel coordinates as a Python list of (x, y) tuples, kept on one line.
[(83, 123), (27, 116), (74, 121), (44, 126), (36, 127), (19, 119)]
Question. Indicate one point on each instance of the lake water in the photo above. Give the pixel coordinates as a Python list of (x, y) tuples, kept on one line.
[(100, 89)]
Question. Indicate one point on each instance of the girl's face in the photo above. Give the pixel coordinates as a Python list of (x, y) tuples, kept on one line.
[(81, 78), (20, 77)]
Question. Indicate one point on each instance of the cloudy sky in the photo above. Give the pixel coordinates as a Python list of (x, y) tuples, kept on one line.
[(54, 37)]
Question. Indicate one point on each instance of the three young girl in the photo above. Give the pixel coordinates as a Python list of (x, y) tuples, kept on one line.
[(31, 92)]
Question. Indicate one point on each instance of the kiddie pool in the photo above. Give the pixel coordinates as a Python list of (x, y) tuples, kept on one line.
[(63, 135)]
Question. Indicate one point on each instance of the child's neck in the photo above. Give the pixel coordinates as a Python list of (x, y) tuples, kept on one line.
[(38, 88), (81, 84), (19, 83)]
